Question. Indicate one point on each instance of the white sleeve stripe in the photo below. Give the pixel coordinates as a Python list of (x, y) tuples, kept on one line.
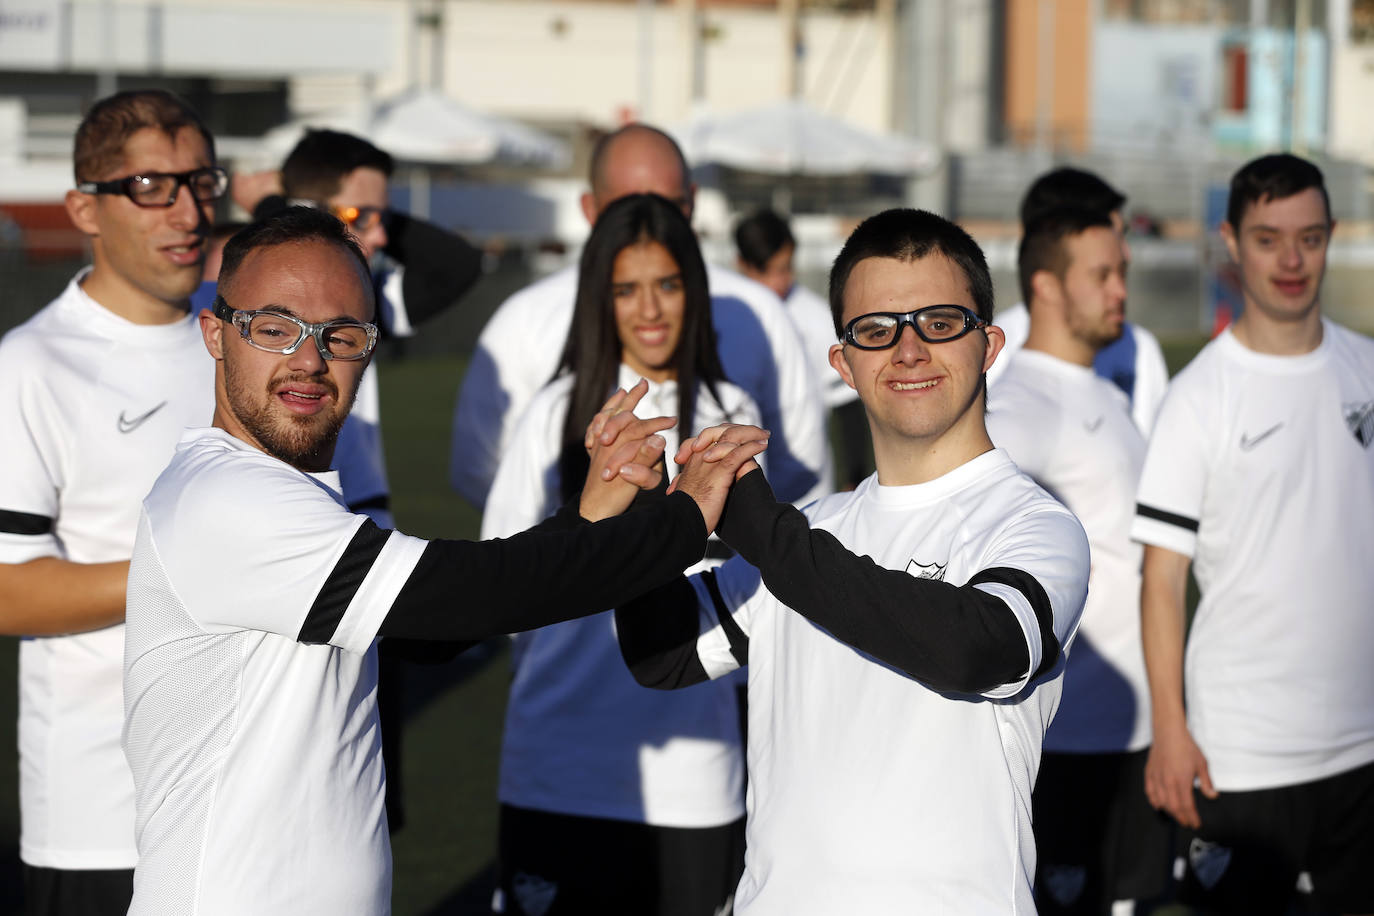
[(1030, 628), (713, 645), (1161, 534), (374, 598)]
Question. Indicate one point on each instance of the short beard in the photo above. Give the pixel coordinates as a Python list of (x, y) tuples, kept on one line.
[(305, 443)]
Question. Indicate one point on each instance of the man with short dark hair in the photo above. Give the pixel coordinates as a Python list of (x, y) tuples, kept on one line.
[(256, 597), (94, 390), (903, 641), (1100, 845), (517, 352), (1261, 468), (1134, 361)]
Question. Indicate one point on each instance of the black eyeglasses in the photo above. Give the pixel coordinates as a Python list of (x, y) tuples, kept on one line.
[(933, 324), (278, 332), (160, 189)]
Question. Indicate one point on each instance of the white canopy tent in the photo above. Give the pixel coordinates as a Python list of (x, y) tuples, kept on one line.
[(792, 138)]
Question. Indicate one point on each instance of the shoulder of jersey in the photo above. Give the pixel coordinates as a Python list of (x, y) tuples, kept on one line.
[(32, 342), (726, 282), (556, 290)]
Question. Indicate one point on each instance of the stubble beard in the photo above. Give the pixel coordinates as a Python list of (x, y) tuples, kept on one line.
[(304, 442)]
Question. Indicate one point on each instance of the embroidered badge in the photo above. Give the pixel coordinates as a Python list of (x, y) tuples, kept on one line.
[(1360, 419), (934, 571)]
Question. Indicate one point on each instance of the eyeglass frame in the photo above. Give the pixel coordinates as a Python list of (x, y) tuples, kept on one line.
[(124, 186), (334, 211), (972, 322), (242, 318)]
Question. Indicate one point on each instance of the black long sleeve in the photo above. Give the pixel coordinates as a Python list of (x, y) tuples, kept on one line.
[(439, 265), (953, 638), (561, 569), (658, 636)]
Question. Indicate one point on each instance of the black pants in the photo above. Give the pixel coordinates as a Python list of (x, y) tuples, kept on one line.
[(62, 892), (552, 864)]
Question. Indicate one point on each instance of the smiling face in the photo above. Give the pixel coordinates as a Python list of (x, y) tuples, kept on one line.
[(364, 187), (922, 399), (147, 260), (290, 406), (1280, 248), (648, 298)]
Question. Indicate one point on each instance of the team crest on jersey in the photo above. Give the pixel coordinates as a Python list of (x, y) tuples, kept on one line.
[(934, 571), (534, 893), (1064, 883), (1209, 861), (1360, 419)]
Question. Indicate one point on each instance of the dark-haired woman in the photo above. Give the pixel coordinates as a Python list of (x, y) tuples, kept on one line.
[(614, 798)]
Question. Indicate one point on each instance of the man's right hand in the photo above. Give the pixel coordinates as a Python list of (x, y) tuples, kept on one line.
[(707, 475), (1175, 765)]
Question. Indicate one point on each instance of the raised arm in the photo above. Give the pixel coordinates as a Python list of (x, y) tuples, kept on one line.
[(1175, 763)]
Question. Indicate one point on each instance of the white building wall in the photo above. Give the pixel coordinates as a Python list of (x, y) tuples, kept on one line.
[(1350, 131)]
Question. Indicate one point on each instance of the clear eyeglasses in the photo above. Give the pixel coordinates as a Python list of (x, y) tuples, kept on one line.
[(933, 324), (160, 189), (277, 332)]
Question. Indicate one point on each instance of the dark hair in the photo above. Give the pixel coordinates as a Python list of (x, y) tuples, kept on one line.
[(1042, 245), (1272, 177), (291, 226), (597, 174), (593, 351), (323, 158), (107, 127), (761, 236), (1069, 187), (909, 235)]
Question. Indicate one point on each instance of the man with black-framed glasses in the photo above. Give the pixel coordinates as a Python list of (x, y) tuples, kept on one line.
[(905, 640), (94, 391)]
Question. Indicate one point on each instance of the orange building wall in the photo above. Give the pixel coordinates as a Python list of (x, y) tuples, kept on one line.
[(1072, 57)]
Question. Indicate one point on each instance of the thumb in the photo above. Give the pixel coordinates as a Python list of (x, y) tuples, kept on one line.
[(1204, 777)]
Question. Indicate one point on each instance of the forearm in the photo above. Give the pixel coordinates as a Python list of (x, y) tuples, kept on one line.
[(468, 591), (1162, 621), (658, 634), (958, 639), (439, 265), (49, 596)]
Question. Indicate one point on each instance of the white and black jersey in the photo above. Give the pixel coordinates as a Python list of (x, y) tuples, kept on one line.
[(903, 660), (1134, 362), (92, 406), (519, 349), (581, 737), (255, 597), (1072, 432), (1261, 469)]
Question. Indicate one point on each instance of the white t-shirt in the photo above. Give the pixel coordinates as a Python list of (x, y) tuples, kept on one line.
[(93, 406), (1261, 469), (868, 791), (1149, 375), (229, 717), (581, 736), (811, 316), (519, 349), (1072, 432)]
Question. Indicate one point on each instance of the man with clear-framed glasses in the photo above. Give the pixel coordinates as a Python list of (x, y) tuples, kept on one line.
[(904, 641)]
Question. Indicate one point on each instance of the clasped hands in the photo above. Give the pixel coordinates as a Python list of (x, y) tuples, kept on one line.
[(627, 456)]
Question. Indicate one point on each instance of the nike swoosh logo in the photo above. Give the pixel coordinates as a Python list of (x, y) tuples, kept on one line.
[(127, 426), (1249, 442), (1093, 425)]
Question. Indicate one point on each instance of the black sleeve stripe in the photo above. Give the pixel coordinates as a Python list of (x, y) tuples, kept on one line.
[(1169, 518), (382, 501), (1034, 593), (739, 643), (24, 523), (343, 583)]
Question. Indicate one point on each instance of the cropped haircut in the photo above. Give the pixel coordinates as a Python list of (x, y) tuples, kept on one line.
[(1273, 177), (292, 226), (112, 121), (1068, 187), (317, 166), (909, 235), (1042, 244), (760, 236), (597, 170), (593, 351)]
